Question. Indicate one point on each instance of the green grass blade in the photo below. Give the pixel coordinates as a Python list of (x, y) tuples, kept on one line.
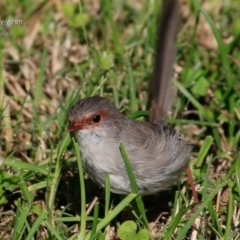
[(54, 183), (215, 221), (53, 231), (23, 210), (107, 194), (36, 224), (25, 166), (204, 150), (134, 185), (111, 215), (237, 175), (175, 221), (206, 179), (81, 234), (37, 186), (190, 97), (132, 87), (221, 45), (131, 176), (110, 18), (95, 220), (26, 194), (189, 223), (227, 234)]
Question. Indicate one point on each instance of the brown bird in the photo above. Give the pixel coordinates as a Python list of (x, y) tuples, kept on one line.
[(157, 154)]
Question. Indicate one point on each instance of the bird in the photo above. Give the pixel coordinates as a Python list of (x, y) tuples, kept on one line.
[(157, 153)]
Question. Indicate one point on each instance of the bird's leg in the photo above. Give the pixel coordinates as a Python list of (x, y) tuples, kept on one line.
[(191, 183)]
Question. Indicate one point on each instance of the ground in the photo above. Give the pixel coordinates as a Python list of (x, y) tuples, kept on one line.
[(54, 53)]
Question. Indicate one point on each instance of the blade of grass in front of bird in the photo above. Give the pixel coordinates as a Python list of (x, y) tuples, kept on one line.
[(134, 185), (131, 176), (81, 234), (107, 194)]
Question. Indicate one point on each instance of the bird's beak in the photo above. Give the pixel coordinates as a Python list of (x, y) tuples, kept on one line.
[(75, 126)]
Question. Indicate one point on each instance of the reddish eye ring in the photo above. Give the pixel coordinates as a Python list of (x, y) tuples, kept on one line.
[(96, 118)]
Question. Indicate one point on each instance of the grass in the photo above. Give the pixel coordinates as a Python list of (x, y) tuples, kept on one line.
[(62, 52)]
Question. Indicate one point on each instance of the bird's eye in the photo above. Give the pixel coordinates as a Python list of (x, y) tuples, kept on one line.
[(96, 118)]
